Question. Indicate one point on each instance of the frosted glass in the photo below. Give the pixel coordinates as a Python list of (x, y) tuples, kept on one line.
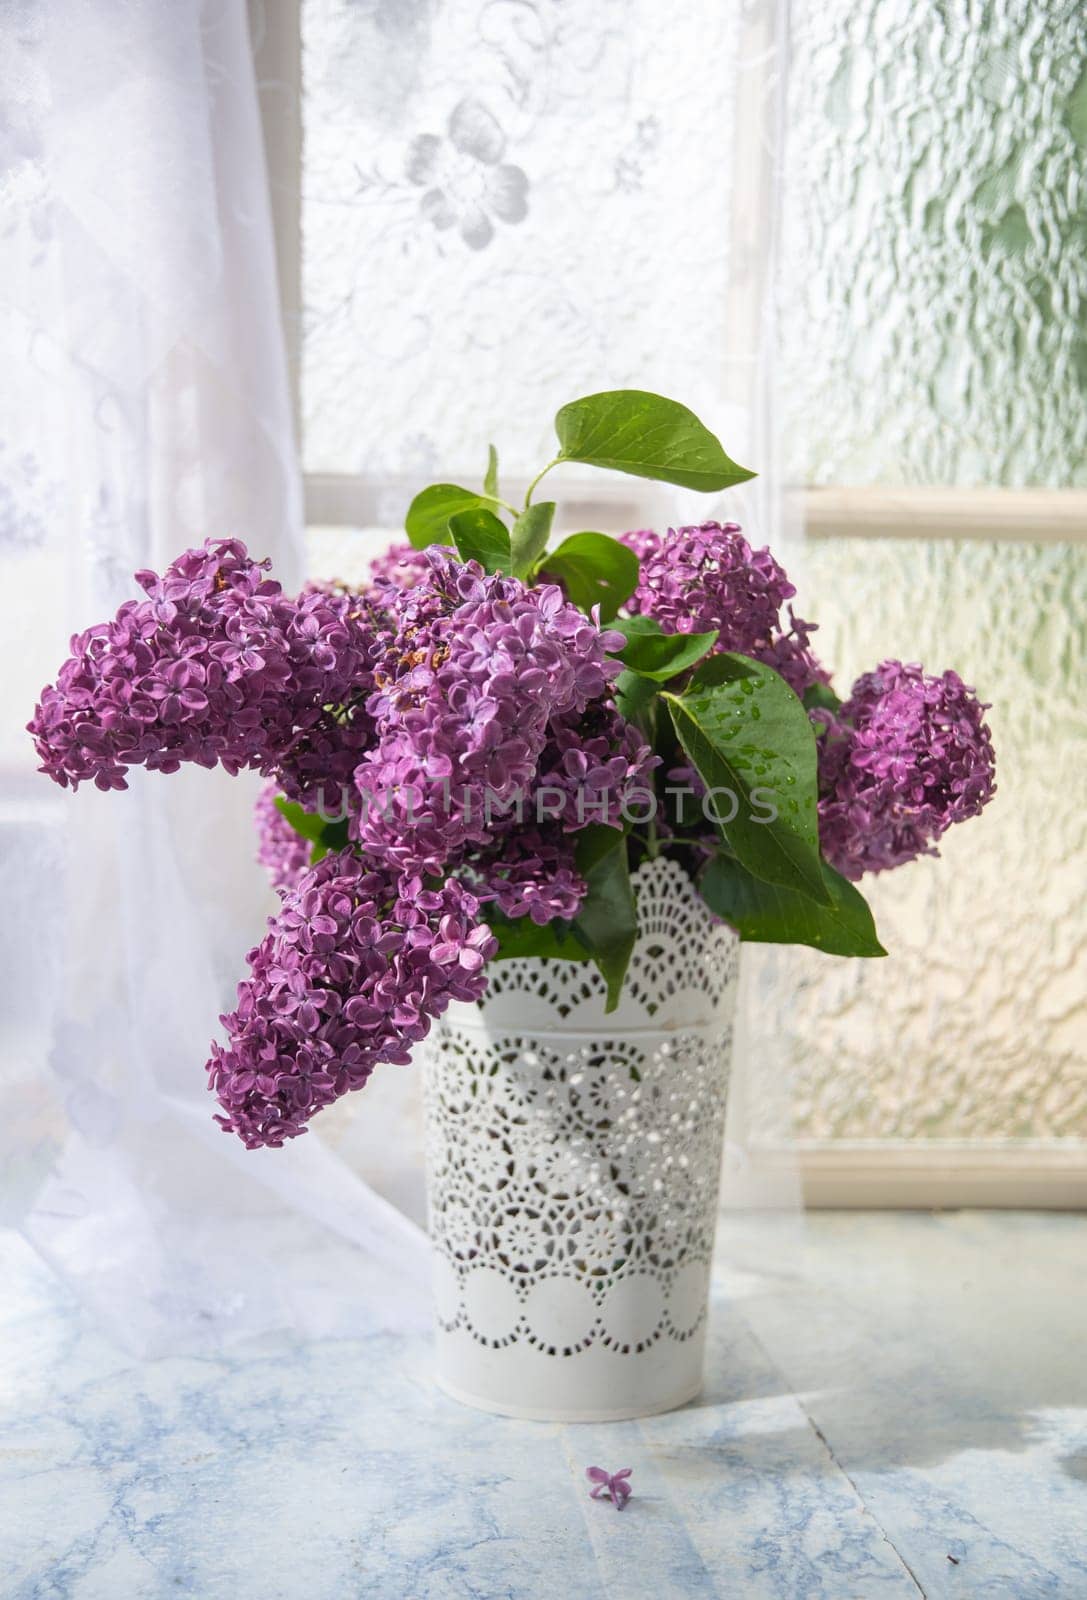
[(505, 205), (935, 243), (976, 1025), (508, 203)]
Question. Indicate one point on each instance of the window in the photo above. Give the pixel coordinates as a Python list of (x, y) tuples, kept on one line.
[(580, 220)]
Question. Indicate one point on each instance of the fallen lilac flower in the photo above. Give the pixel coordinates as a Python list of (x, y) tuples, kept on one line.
[(610, 1485)]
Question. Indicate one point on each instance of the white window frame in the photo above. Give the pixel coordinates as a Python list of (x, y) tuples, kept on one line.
[(1048, 1173)]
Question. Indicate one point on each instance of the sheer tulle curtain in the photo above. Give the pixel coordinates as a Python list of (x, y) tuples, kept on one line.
[(146, 408)]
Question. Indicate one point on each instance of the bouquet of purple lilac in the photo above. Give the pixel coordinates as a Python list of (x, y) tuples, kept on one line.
[(467, 756)]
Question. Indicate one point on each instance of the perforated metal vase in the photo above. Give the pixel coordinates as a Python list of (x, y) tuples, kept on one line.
[(572, 1170)]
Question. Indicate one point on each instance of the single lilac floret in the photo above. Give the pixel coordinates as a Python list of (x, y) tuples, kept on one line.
[(613, 1486)]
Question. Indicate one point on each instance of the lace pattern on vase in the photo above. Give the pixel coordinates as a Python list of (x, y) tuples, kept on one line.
[(573, 1158)]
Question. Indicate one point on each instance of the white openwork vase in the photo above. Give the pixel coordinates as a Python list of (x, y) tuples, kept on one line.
[(572, 1171)]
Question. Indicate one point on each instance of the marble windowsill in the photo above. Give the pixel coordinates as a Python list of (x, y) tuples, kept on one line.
[(885, 1392)]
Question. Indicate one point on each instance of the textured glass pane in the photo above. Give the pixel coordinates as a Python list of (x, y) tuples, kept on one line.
[(505, 205), (935, 242), (976, 1024)]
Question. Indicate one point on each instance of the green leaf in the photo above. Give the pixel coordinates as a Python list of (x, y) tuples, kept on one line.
[(322, 834), (480, 536), (490, 477), (821, 697), (520, 936), (657, 655), (593, 844), (607, 920), (746, 732), (769, 914), (427, 521), (333, 838), (634, 695), (303, 822), (531, 531), (594, 570), (648, 436)]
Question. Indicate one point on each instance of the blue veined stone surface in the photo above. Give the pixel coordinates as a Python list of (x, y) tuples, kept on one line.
[(885, 1392)]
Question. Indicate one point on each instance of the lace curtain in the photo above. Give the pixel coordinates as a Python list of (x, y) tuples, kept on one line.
[(149, 409)]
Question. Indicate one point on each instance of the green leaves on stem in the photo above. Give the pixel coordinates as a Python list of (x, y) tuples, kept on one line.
[(594, 570), (652, 658), (629, 430), (323, 835), (481, 536), (427, 521), (768, 914), (749, 738), (607, 921)]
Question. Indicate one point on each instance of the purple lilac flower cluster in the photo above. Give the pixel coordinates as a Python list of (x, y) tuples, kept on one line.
[(908, 755), (435, 672), (531, 872), (216, 666), (401, 566), (479, 672), (352, 969), (706, 578), (464, 727)]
